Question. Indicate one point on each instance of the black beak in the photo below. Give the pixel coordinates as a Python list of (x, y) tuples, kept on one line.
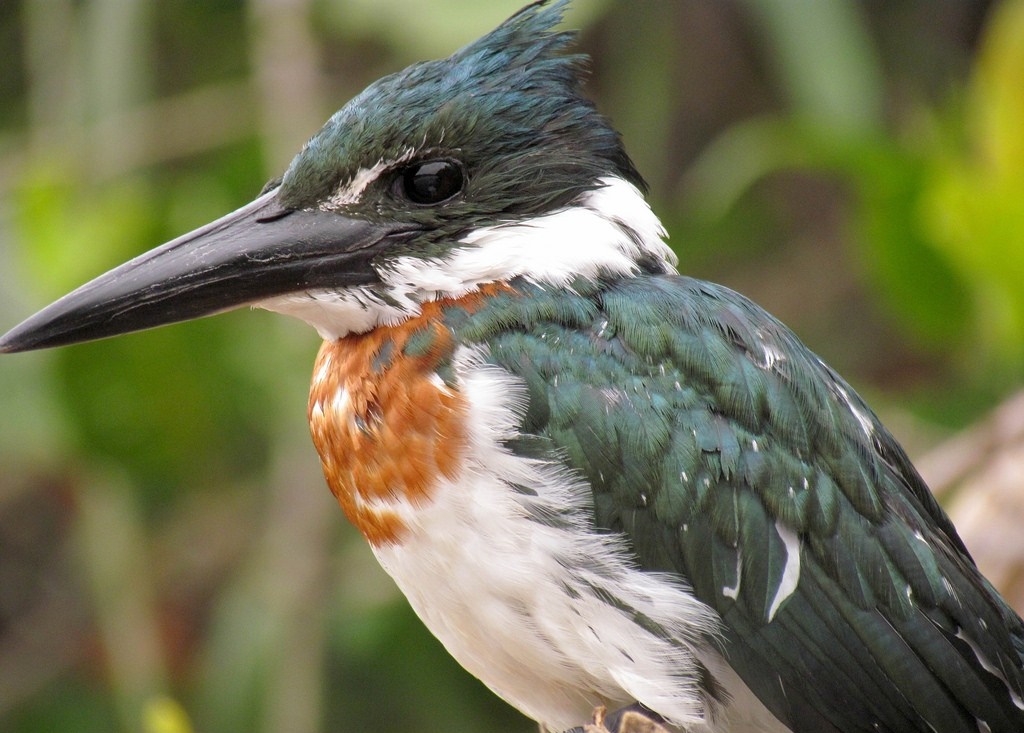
[(259, 251)]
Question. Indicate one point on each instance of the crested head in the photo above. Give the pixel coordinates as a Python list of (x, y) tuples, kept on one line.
[(497, 135), (508, 108)]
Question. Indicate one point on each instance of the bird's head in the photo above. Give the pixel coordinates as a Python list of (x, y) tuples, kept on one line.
[(478, 168)]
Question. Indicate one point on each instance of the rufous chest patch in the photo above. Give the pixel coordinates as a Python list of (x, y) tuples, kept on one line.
[(385, 424)]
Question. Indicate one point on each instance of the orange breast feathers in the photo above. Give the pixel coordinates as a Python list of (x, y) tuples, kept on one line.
[(387, 427)]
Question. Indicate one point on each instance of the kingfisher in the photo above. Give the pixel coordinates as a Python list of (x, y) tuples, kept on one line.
[(597, 481)]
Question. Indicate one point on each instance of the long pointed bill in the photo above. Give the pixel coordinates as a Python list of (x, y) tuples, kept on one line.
[(259, 251)]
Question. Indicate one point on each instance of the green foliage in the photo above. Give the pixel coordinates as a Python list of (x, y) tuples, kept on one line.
[(937, 202), (972, 205), (77, 230)]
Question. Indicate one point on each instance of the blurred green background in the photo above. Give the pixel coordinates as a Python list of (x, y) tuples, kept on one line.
[(170, 558)]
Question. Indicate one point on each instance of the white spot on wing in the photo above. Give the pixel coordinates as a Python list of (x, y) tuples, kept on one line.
[(734, 591), (987, 665), (770, 353), (791, 572), (865, 421)]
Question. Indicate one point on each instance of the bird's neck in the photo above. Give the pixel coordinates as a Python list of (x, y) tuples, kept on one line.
[(608, 232), (386, 424)]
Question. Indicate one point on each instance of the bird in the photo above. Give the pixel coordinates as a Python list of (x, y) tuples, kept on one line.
[(597, 481)]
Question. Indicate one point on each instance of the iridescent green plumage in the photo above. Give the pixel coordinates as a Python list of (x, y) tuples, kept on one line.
[(707, 432)]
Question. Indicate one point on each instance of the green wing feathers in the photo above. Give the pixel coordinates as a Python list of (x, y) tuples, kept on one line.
[(730, 455)]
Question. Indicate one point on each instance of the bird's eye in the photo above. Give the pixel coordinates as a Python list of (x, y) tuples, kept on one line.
[(431, 182)]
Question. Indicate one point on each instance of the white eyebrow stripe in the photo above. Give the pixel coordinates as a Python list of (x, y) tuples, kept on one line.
[(350, 191)]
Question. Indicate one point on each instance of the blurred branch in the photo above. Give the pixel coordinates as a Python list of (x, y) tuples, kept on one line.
[(262, 663), (286, 57), (116, 556), (976, 449), (979, 474), (117, 39), (44, 622), (37, 647), (51, 56), (185, 124)]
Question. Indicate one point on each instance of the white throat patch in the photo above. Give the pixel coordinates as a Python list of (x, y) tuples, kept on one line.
[(608, 232), (605, 234)]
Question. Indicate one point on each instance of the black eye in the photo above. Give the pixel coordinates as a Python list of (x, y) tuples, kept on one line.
[(431, 182)]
